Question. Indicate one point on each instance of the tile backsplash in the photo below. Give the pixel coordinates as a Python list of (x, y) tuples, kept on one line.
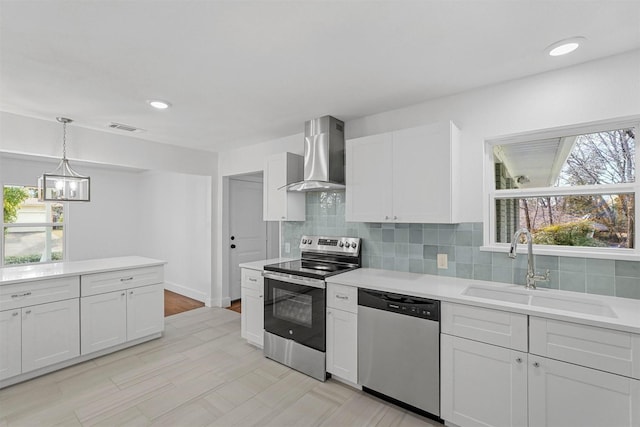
[(414, 248)]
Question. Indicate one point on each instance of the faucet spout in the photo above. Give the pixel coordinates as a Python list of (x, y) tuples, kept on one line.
[(531, 277)]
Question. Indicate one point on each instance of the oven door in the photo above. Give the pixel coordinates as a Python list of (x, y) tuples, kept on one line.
[(294, 308)]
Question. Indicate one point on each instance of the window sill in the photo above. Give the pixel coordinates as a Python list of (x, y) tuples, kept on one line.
[(619, 255)]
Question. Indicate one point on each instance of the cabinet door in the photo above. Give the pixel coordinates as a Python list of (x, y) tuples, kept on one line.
[(103, 321), (50, 333), (482, 384), (422, 174), (145, 311), (279, 204), (369, 178), (10, 338), (253, 316), (567, 395), (342, 344)]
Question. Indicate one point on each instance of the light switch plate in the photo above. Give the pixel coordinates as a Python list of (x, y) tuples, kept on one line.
[(442, 261)]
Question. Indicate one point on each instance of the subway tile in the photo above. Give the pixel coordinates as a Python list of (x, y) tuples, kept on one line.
[(477, 238), (374, 225), (402, 250), (430, 236), (402, 235), (446, 237), (388, 263), (570, 281), (477, 226), (601, 285), (628, 268), (463, 238), (628, 287), (388, 235), (544, 262), (388, 249), (400, 226), (482, 272), (501, 260), (464, 271), (567, 264), (481, 257), (375, 261), (388, 225), (464, 226), (502, 274), (416, 251), (450, 271), (601, 267), (430, 226), (430, 252), (416, 266), (430, 266), (401, 264), (415, 235), (376, 234), (464, 254)]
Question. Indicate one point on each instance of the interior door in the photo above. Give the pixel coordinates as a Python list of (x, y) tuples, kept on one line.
[(247, 230)]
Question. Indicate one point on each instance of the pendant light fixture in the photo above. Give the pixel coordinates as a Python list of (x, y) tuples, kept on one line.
[(63, 184)]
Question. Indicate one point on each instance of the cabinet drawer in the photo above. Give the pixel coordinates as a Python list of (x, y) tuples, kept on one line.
[(342, 297), (39, 292), (486, 325), (591, 346), (252, 279), (100, 283)]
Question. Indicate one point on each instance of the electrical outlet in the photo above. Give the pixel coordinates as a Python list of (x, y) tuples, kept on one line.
[(442, 261), (287, 247)]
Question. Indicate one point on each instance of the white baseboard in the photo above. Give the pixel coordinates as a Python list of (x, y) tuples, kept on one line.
[(188, 292), (219, 302)]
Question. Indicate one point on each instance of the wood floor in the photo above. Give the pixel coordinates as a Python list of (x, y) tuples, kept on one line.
[(175, 303), (236, 306), (199, 373)]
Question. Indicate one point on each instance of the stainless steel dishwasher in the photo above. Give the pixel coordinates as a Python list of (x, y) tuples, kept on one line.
[(399, 349)]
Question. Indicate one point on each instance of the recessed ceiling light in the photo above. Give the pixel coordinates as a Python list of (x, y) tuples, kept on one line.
[(565, 46), (159, 104)]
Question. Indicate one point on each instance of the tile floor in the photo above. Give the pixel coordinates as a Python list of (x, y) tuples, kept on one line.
[(199, 373)]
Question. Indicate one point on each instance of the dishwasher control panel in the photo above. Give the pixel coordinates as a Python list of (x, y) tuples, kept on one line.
[(402, 304)]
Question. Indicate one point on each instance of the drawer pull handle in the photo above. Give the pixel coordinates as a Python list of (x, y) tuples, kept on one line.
[(21, 295), (130, 292), (536, 364), (519, 359), (122, 294), (342, 296), (28, 312), (126, 279), (14, 314), (253, 279)]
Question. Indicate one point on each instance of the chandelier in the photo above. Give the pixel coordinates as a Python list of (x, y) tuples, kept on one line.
[(63, 184)]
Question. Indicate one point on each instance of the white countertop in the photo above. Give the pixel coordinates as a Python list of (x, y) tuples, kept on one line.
[(450, 289), (258, 265), (26, 273)]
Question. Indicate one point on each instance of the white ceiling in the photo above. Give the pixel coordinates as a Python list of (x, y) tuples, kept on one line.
[(242, 72)]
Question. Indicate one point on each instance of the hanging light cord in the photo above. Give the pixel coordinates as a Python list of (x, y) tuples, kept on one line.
[(64, 140)]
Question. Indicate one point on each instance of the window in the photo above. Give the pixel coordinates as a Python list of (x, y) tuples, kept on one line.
[(574, 188), (33, 231)]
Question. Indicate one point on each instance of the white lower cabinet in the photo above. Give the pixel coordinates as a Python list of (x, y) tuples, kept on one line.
[(342, 332), (116, 317), (252, 314), (566, 395), (50, 334), (11, 338), (482, 384)]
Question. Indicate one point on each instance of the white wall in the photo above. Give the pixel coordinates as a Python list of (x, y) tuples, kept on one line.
[(175, 222), (592, 91)]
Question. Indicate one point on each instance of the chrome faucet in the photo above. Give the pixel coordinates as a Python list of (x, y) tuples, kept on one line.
[(531, 278)]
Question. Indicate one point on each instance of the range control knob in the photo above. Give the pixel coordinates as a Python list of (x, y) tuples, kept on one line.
[(341, 244), (309, 241), (353, 245), (304, 241)]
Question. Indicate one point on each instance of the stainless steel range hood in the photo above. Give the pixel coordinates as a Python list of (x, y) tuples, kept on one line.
[(323, 156)]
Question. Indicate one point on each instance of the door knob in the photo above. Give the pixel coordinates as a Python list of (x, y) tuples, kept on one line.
[(233, 246), (233, 237)]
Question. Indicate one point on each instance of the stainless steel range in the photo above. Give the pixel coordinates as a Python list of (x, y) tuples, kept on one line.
[(295, 301)]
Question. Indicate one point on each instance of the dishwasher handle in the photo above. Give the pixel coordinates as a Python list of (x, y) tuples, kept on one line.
[(425, 308)]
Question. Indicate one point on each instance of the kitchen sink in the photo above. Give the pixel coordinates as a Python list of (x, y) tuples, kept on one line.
[(497, 294), (542, 299), (577, 305)]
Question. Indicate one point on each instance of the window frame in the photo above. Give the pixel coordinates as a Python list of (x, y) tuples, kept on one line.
[(492, 194), (63, 224)]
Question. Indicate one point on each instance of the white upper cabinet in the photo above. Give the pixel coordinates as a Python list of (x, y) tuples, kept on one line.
[(406, 176), (280, 204)]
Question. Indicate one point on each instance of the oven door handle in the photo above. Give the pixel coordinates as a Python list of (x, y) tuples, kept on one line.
[(296, 280)]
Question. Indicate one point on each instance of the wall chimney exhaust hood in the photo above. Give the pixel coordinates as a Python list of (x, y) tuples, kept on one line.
[(324, 156)]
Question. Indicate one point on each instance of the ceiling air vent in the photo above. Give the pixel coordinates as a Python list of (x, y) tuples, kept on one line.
[(126, 128)]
